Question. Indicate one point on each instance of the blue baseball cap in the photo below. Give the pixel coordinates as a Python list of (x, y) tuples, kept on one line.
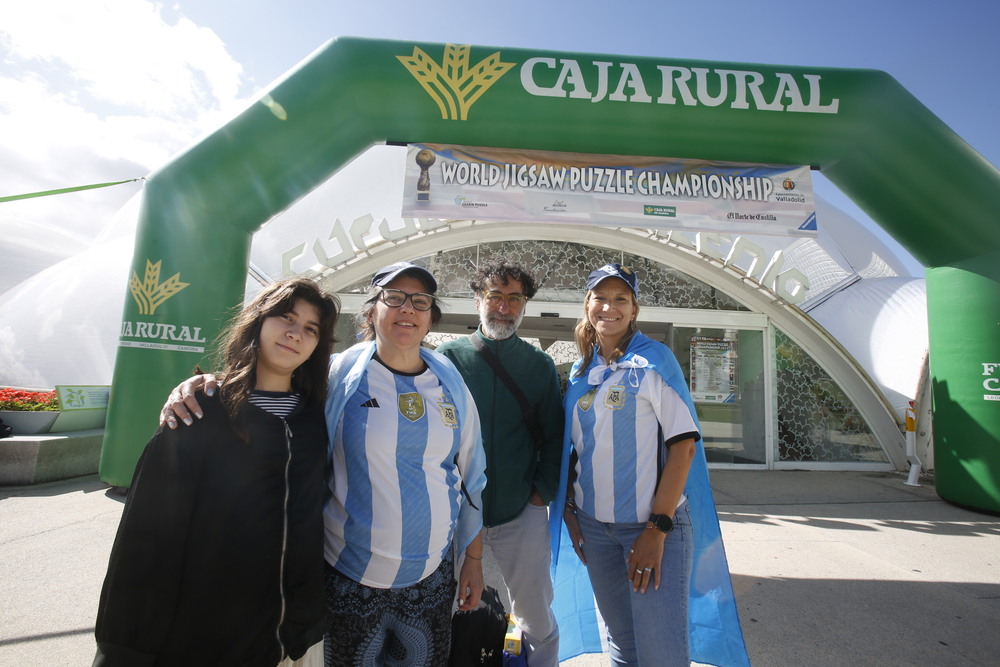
[(614, 271), (387, 274)]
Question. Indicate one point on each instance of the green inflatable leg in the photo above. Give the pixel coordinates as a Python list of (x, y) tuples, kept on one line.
[(964, 311)]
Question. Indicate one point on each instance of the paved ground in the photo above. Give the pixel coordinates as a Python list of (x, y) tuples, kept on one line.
[(829, 568)]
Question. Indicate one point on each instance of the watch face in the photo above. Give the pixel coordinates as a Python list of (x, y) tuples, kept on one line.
[(662, 522)]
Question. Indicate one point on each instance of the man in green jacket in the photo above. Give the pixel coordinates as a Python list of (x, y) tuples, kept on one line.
[(522, 458)]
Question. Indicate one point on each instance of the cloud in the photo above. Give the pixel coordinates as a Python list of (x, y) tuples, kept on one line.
[(123, 53), (95, 91)]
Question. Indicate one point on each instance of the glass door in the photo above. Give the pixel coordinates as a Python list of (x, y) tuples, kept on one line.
[(725, 371)]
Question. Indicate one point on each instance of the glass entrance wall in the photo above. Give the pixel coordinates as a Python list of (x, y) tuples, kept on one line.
[(726, 375), (816, 420), (733, 381)]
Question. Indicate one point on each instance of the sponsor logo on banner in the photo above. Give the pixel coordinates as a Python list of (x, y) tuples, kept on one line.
[(664, 211), (464, 202), (149, 294)]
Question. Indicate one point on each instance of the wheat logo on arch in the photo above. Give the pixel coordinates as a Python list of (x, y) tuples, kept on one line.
[(149, 293), (453, 84)]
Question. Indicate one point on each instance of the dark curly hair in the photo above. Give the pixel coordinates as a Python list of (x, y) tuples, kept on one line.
[(499, 269)]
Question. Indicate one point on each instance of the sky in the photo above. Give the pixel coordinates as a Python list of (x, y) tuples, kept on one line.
[(95, 91)]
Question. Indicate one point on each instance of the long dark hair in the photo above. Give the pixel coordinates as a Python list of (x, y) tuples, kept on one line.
[(585, 336), (239, 343)]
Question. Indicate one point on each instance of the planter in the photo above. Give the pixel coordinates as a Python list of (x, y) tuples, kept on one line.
[(33, 459), (28, 423)]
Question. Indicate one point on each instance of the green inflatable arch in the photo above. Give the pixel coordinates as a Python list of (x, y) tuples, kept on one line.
[(868, 135)]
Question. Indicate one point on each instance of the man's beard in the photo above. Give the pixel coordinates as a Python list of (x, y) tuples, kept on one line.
[(497, 329)]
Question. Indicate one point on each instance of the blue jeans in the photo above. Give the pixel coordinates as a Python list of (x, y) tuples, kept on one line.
[(644, 629)]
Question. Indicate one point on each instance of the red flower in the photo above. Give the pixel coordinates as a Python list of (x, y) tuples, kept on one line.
[(22, 400)]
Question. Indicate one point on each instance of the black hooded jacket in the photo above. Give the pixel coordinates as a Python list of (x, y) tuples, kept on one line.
[(219, 554)]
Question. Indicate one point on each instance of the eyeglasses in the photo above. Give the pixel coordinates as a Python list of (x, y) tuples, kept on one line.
[(395, 298), (513, 300)]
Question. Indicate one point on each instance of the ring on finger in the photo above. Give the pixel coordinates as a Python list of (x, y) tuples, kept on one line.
[(647, 569)]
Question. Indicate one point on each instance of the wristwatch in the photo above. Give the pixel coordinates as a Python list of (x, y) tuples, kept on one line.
[(662, 522)]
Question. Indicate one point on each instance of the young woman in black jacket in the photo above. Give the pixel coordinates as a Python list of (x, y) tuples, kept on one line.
[(219, 554)]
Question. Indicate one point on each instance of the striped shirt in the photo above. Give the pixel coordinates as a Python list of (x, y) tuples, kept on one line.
[(278, 403), (396, 486), (617, 431)]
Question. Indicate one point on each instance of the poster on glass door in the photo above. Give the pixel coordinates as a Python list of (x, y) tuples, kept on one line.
[(713, 370)]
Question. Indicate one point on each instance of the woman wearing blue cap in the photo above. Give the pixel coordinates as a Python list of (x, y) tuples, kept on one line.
[(408, 473), (638, 507)]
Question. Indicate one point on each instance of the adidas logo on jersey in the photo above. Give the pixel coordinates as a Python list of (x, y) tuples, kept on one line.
[(370, 403)]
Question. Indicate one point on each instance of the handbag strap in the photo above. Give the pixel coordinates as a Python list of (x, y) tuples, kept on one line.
[(529, 415)]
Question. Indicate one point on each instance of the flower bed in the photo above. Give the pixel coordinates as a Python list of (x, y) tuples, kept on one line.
[(24, 400), (28, 412)]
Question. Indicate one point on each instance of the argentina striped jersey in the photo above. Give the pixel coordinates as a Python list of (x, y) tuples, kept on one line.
[(616, 434), (396, 486)]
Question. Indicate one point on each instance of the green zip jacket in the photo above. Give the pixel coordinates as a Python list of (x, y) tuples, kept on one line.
[(514, 467)]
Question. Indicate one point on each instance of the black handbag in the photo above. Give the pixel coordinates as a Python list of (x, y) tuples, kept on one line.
[(477, 636)]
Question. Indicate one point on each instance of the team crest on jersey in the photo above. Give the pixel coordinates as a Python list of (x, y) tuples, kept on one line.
[(449, 415), (615, 398), (587, 399), (411, 406)]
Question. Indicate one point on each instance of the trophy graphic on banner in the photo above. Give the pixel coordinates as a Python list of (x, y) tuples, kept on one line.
[(424, 159)]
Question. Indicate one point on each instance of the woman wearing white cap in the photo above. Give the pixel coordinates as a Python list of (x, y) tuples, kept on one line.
[(633, 476)]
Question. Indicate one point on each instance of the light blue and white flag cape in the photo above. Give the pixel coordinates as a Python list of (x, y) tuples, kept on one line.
[(713, 623)]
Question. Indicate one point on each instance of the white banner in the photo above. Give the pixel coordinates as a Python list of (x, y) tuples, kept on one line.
[(459, 182)]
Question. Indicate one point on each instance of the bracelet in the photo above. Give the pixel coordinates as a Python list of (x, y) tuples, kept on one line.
[(468, 555)]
